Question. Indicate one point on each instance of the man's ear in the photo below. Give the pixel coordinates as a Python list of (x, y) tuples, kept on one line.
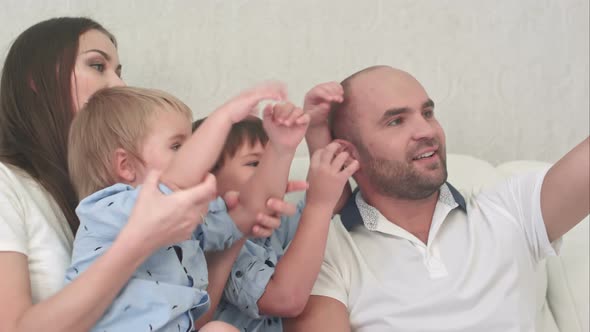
[(124, 164), (348, 147)]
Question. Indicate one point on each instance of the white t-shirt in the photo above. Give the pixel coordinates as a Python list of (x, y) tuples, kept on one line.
[(477, 272), (31, 223)]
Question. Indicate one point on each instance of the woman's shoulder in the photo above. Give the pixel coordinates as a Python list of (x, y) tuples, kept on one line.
[(20, 190)]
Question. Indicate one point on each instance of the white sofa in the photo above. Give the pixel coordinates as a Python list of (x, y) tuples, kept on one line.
[(562, 282)]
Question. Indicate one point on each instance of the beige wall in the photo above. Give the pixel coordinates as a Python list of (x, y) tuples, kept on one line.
[(510, 78)]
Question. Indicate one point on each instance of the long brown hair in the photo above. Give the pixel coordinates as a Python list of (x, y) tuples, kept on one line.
[(37, 108)]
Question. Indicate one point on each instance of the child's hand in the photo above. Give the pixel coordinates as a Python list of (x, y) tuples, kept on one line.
[(285, 125), (318, 102), (266, 223), (329, 170), (245, 103)]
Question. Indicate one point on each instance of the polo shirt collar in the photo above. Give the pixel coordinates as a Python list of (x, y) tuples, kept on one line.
[(357, 212)]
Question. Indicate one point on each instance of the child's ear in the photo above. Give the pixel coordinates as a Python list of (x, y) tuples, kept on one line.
[(124, 164)]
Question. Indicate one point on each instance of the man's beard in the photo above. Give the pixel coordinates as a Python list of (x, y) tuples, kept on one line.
[(400, 179)]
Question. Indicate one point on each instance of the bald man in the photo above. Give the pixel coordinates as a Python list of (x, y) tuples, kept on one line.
[(411, 253)]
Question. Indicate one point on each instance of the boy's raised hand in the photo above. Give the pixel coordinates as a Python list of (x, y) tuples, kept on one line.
[(285, 125), (244, 104), (318, 102), (329, 170)]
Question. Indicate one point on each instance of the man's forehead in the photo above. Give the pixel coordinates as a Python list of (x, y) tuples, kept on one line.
[(385, 87)]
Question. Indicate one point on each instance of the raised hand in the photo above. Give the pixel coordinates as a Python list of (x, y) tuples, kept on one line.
[(318, 102), (285, 125), (245, 103), (329, 170)]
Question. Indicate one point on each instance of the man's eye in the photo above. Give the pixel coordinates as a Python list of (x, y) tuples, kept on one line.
[(428, 114), (252, 164), (394, 122)]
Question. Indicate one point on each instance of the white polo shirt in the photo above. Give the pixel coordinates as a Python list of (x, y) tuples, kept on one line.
[(477, 272)]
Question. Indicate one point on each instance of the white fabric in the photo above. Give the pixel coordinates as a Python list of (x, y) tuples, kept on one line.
[(561, 282), (32, 224), (566, 278), (474, 274)]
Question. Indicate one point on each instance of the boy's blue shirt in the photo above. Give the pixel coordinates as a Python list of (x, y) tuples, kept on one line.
[(168, 291)]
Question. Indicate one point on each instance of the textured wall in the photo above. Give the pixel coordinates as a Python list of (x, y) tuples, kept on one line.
[(510, 78)]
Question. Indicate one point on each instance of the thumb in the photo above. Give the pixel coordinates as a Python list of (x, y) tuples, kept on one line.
[(152, 179), (201, 193), (267, 113)]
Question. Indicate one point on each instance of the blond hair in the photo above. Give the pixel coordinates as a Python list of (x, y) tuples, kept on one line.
[(113, 118)]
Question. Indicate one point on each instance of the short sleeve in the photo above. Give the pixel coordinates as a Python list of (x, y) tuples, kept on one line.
[(218, 232), (248, 279), (331, 281), (13, 231), (519, 199)]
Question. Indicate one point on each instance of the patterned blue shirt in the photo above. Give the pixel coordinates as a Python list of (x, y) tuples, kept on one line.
[(251, 273), (168, 291)]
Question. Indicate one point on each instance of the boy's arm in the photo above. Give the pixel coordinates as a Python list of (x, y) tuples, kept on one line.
[(321, 313), (285, 125), (288, 290), (200, 152), (318, 104), (565, 193), (219, 265)]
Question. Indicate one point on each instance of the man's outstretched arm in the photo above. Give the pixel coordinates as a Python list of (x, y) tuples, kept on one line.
[(565, 194)]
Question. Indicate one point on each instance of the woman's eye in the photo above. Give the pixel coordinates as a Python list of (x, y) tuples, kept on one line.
[(176, 146), (252, 164), (98, 66)]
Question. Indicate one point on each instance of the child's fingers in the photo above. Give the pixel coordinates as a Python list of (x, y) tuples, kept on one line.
[(293, 115), (267, 113), (328, 153), (351, 168), (339, 161), (281, 112), (303, 119), (280, 207), (298, 185), (267, 221), (260, 232)]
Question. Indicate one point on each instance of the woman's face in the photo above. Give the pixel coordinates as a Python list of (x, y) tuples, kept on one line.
[(97, 66)]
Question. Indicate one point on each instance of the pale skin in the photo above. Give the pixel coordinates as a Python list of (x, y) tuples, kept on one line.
[(287, 292), (171, 147), (565, 193), (286, 124), (219, 264), (81, 303)]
